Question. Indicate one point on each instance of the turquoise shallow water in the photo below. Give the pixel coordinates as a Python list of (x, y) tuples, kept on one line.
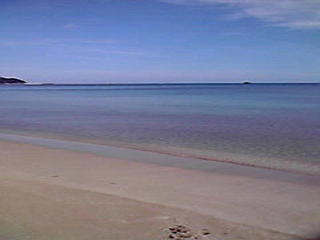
[(271, 125)]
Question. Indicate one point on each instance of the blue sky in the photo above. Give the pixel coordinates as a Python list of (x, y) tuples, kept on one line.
[(118, 41)]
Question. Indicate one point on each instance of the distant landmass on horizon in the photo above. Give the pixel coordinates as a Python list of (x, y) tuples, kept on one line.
[(4, 80)]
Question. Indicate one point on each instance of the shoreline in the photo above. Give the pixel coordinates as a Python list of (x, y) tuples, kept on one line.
[(262, 201), (308, 169), (164, 159)]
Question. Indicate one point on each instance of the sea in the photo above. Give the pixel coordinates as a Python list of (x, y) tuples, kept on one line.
[(263, 125)]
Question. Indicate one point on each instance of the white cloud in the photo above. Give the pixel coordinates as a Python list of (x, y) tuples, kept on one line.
[(4, 42), (45, 42), (88, 41), (299, 14), (119, 52), (84, 46), (70, 26)]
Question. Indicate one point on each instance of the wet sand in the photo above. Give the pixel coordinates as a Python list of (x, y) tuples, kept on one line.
[(62, 194)]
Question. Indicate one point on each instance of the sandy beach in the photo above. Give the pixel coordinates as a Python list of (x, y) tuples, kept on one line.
[(61, 194)]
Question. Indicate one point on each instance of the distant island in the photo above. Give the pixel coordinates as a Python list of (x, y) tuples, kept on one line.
[(4, 80), (247, 83)]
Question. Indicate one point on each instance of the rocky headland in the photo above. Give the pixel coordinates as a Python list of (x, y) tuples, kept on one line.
[(4, 80)]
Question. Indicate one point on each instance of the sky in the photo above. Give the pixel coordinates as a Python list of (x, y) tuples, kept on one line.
[(139, 41)]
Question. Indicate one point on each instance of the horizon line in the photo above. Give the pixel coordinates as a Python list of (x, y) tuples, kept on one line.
[(172, 83)]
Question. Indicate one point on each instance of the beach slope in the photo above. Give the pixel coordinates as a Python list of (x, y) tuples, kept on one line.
[(61, 194)]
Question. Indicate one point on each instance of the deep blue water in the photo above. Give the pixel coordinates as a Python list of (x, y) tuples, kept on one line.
[(273, 125)]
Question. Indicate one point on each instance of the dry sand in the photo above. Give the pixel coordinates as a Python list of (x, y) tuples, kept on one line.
[(59, 194)]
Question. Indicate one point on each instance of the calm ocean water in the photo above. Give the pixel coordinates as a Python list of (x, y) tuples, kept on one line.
[(270, 125)]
